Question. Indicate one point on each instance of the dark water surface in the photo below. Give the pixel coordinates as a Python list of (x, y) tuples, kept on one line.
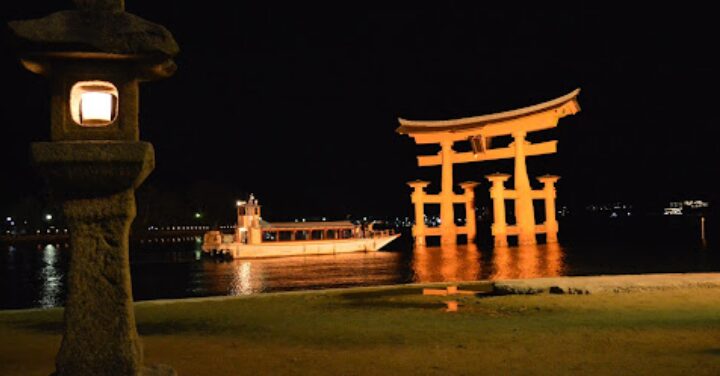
[(34, 275)]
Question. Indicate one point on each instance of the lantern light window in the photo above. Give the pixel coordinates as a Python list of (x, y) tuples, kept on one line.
[(93, 103)]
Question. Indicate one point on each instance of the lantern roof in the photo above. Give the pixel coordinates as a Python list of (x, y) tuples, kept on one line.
[(462, 124), (97, 26)]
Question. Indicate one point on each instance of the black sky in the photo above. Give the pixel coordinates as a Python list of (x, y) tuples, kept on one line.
[(298, 103)]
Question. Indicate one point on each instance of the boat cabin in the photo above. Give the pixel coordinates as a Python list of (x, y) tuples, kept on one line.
[(251, 229)]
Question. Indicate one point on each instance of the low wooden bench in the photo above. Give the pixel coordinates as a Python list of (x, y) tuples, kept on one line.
[(449, 290)]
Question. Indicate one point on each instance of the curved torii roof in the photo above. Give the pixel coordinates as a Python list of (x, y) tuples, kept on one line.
[(469, 123)]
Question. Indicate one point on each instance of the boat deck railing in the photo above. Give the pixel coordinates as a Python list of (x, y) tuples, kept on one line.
[(217, 237), (381, 233)]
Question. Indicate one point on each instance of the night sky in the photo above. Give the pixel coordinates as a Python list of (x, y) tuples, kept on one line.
[(299, 103)]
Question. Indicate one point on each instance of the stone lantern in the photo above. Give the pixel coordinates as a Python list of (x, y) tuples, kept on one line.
[(94, 57)]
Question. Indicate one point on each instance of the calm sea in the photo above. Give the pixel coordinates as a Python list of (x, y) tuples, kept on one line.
[(33, 275)]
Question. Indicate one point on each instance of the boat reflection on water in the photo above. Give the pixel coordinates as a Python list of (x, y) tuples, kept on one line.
[(251, 276), (242, 283), (454, 263)]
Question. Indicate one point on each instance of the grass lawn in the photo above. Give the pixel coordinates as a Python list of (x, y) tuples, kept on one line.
[(397, 330)]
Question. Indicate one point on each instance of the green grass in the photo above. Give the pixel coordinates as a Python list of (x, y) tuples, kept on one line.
[(399, 331)]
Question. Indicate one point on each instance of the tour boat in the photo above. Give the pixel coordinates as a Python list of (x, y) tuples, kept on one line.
[(255, 238)]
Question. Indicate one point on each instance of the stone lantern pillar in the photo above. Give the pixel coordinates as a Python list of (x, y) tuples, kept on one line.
[(551, 224), (497, 193), (418, 199), (95, 57), (470, 225)]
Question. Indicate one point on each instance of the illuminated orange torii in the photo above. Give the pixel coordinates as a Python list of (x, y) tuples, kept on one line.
[(478, 130)]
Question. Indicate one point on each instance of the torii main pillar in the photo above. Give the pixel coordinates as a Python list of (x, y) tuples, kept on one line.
[(524, 211), (448, 230)]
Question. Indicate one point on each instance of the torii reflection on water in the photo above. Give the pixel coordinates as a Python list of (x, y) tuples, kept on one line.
[(447, 263), (527, 261), (454, 263)]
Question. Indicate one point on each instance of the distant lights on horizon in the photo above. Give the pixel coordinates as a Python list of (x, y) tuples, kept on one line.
[(613, 210), (673, 211), (177, 228), (693, 204), (677, 207)]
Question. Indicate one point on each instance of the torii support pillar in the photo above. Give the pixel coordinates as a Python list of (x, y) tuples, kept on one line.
[(470, 225), (551, 224), (497, 193), (418, 199)]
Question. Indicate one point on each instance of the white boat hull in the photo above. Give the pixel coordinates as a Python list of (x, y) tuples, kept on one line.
[(297, 248)]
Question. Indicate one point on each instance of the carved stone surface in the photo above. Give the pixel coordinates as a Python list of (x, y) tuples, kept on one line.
[(100, 336), (94, 31), (102, 5), (158, 370), (96, 183), (82, 169)]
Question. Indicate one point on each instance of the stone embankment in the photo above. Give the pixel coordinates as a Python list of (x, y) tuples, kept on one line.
[(606, 283)]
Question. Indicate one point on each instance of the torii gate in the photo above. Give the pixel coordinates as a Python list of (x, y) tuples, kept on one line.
[(478, 130)]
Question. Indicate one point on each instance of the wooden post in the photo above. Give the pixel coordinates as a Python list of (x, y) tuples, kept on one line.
[(497, 193), (418, 199), (551, 224), (469, 188)]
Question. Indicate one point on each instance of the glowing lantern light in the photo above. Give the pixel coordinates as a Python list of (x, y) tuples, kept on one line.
[(93, 103), (96, 107)]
